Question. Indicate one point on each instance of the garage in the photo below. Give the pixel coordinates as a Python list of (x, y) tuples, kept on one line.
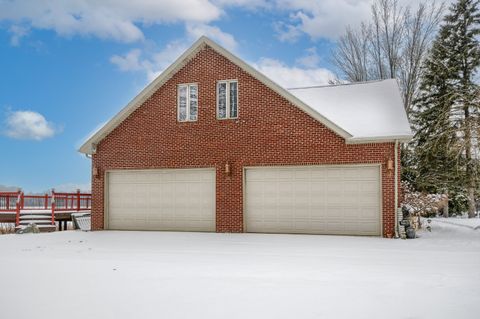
[(167, 199), (313, 200)]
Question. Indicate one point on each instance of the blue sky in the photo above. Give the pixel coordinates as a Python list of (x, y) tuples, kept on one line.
[(69, 66)]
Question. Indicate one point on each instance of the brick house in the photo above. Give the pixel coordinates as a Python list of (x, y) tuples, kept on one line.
[(214, 145)]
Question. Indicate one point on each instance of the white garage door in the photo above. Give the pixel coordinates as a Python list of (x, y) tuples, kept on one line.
[(169, 199), (314, 200)]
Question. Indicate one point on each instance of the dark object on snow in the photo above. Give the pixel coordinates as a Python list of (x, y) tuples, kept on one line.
[(405, 223), (429, 228), (410, 232)]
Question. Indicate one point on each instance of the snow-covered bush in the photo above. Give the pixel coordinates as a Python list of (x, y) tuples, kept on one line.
[(422, 204)]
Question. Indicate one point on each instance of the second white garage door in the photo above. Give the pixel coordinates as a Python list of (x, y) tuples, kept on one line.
[(313, 200), (169, 199)]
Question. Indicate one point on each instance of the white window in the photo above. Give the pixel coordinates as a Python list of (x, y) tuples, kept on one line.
[(187, 102), (227, 99)]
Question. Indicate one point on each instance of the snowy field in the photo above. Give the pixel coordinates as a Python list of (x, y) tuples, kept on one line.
[(202, 275)]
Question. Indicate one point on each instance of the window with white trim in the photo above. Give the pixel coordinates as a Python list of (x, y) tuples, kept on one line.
[(227, 99), (187, 107)]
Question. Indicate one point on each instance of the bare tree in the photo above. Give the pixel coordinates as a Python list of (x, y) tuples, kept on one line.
[(393, 44), (353, 54)]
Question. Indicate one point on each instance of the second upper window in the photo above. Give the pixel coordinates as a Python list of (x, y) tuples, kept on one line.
[(227, 99)]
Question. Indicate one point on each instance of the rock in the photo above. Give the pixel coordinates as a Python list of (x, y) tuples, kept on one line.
[(30, 229)]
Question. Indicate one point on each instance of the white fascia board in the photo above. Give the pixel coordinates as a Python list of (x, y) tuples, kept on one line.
[(380, 139)]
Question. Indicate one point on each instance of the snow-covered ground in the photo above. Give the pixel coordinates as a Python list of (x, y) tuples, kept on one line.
[(473, 223), (203, 275)]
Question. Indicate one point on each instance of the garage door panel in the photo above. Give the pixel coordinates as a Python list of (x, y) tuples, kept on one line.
[(370, 186), (335, 227), (351, 213), (318, 175), (352, 187), (301, 173), (314, 199), (334, 188), (369, 212), (170, 199), (337, 173)]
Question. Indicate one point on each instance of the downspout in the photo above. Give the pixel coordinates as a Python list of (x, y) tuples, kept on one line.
[(396, 190)]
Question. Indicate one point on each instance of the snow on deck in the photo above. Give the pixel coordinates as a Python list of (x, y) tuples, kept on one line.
[(206, 275), (40, 211)]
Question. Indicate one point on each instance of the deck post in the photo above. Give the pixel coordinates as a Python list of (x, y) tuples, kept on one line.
[(78, 200), (17, 208), (17, 215), (46, 201), (53, 206)]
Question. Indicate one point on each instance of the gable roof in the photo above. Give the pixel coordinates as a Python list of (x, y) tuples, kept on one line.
[(369, 111), (293, 96)]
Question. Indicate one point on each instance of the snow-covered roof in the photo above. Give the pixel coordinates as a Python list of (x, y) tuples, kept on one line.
[(367, 110)]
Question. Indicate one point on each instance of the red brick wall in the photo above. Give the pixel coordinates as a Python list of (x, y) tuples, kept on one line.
[(269, 131)]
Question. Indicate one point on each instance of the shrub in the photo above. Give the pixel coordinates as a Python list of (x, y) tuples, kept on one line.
[(421, 203), (7, 228)]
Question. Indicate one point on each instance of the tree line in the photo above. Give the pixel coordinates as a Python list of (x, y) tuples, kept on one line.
[(434, 53)]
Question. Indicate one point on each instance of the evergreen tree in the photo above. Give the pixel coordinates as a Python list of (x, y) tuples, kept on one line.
[(447, 113)]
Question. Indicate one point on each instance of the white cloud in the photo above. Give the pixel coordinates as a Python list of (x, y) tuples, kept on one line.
[(288, 76), (28, 125), (287, 32), (247, 4), (322, 19), (310, 59), (128, 62), (162, 59), (226, 40), (18, 32), (326, 18), (152, 64), (112, 19)]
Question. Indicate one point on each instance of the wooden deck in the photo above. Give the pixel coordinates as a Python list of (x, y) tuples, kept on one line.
[(53, 210)]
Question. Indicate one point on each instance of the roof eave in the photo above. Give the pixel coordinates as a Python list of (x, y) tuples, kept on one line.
[(380, 139)]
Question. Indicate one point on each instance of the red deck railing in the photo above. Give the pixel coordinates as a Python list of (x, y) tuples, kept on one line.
[(64, 202), (8, 201)]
